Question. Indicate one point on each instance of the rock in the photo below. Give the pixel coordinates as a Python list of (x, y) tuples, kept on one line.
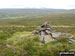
[(47, 33), (41, 35), (56, 34), (72, 41), (36, 32), (66, 35), (48, 38), (59, 34)]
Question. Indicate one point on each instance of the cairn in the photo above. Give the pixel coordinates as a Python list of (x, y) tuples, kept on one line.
[(47, 34)]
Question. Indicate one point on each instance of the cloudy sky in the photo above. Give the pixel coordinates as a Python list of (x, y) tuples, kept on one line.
[(58, 4)]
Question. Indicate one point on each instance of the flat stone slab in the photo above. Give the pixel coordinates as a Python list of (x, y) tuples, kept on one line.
[(59, 34)]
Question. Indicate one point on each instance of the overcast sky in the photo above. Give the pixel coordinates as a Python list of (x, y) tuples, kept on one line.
[(58, 4)]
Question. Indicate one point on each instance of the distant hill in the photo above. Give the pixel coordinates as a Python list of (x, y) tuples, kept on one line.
[(11, 13), (35, 17)]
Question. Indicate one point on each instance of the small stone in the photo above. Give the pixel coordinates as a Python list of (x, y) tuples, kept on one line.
[(73, 41)]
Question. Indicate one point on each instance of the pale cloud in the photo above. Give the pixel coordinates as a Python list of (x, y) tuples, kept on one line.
[(62, 4)]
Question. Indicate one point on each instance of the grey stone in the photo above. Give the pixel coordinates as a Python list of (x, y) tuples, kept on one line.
[(48, 34), (72, 41), (59, 34), (42, 35), (56, 34), (48, 39)]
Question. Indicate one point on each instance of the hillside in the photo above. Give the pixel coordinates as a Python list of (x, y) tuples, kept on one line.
[(65, 19), (17, 26), (24, 44), (8, 13), (13, 13)]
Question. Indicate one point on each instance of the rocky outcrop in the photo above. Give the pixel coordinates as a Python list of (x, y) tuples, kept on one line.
[(47, 33)]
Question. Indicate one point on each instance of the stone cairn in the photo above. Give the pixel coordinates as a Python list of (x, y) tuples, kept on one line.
[(47, 34)]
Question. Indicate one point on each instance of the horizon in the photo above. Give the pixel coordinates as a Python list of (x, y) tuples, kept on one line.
[(39, 8), (55, 4)]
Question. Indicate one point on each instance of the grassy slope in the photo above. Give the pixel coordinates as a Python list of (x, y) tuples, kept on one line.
[(15, 42), (37, 16), (20, 44), (54, 19), (9, 13)]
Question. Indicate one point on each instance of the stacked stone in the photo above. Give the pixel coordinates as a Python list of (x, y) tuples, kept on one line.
[(47, 34)]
